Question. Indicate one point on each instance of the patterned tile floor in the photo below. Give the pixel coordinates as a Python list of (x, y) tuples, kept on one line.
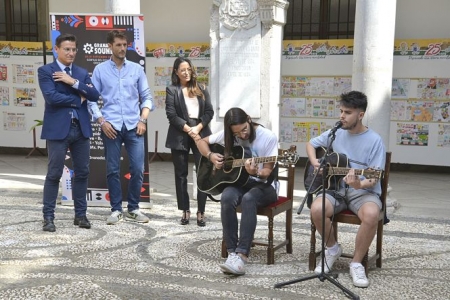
[(164, 260)]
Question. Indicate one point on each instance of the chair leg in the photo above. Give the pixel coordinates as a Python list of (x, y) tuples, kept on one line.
[(289, 230), (379, 246), (365, 262), (270, 250), (224, 249), (312, 249)]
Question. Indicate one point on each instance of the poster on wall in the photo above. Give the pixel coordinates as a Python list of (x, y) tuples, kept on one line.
[(91, 31), (20, 97), (415, 134)]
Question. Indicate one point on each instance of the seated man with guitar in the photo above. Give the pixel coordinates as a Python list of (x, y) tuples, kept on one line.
[(355, 191), (241, 170)]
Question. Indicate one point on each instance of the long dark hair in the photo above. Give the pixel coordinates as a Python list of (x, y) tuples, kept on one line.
[(192, 85), (236, 116)]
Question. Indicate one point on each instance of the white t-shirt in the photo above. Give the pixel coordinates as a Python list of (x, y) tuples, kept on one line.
[(264, 145)]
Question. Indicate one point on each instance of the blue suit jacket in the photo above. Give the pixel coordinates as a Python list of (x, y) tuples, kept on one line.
[(61, 99)]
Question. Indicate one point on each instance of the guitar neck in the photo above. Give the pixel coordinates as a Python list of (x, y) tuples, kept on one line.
[(343, 171), (241, 162)]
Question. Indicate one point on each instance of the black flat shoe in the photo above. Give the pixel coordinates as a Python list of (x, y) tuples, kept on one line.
[(201, 220), (185, 217), (82, 222), (48, 225)]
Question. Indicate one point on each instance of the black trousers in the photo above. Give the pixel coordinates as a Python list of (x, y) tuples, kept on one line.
[(181, 168)]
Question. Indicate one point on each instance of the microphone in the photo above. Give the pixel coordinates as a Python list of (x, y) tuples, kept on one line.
[(335, 128)]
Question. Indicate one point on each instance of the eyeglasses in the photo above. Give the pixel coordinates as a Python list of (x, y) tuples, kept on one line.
[(242, 131), (188, 70), (67, 50)]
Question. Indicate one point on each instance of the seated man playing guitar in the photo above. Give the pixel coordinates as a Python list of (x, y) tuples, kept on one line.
[(364, 148), (256, 190)]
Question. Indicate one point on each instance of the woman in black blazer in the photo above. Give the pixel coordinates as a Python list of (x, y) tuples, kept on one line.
[(189, 111)]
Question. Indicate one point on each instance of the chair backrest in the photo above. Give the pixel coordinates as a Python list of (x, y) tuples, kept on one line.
[(385, 184)]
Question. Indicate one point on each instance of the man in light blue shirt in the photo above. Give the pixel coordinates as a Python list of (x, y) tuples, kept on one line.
[(365, 149), (127, 101)]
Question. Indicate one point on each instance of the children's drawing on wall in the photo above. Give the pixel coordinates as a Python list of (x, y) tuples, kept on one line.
[(203, 75), (323, 108), (4, 96), (293, 86), (3, 72), (415, 134), (320, 86), (398, 110), (342, 85), (293, 107), (23, 74), (441, 112), (163, 76), (443, 135), (400, 87), (159, 99), (286, 131), (433, 88), (24, 97), (14, 121), (300, 132), (421, 111)]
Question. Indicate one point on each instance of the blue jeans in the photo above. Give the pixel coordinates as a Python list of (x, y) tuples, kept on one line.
[(134, 145), (79, 147), (250, 199)]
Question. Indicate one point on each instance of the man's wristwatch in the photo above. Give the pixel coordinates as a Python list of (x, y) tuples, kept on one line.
[(143, 120)]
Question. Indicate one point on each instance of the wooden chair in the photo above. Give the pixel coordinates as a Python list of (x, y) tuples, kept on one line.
[(349, 217), (286, 174)]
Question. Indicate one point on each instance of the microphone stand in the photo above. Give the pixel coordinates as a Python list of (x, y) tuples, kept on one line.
[(322, 276)]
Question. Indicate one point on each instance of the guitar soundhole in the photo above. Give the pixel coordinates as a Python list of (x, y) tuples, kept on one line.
[(228, 165)]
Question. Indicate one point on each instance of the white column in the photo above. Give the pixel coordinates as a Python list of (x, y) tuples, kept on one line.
[(123, 6), (273, 17), (373, 54)]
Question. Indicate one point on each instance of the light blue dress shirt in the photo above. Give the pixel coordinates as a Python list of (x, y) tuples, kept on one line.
[(124, 91)]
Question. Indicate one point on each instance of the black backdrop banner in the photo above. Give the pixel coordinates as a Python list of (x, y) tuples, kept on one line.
[(91, 31)]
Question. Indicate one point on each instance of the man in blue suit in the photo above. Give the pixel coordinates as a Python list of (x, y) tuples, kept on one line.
[(67, 125)]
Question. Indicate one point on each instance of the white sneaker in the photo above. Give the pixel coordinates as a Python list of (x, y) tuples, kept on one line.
[(115, 217), (329, 261), (136, 216), (234, 265), (358, 274)]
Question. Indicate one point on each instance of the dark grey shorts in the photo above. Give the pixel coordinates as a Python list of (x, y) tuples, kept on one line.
[(349, 198)]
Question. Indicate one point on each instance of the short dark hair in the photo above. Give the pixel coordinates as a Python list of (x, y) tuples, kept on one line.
[(354, 99), (115, 34), (65, 37)]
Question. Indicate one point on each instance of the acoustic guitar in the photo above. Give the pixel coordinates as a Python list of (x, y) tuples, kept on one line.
[(336, 168), (213, 181)]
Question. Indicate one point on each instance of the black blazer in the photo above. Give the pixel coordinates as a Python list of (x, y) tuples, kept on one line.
[(178, 116)]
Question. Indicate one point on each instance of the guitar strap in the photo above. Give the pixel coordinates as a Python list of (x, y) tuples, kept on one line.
[(273, 175), (357, 162)]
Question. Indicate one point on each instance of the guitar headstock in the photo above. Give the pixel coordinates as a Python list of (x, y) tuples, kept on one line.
[(372, 173), (289, 156)]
